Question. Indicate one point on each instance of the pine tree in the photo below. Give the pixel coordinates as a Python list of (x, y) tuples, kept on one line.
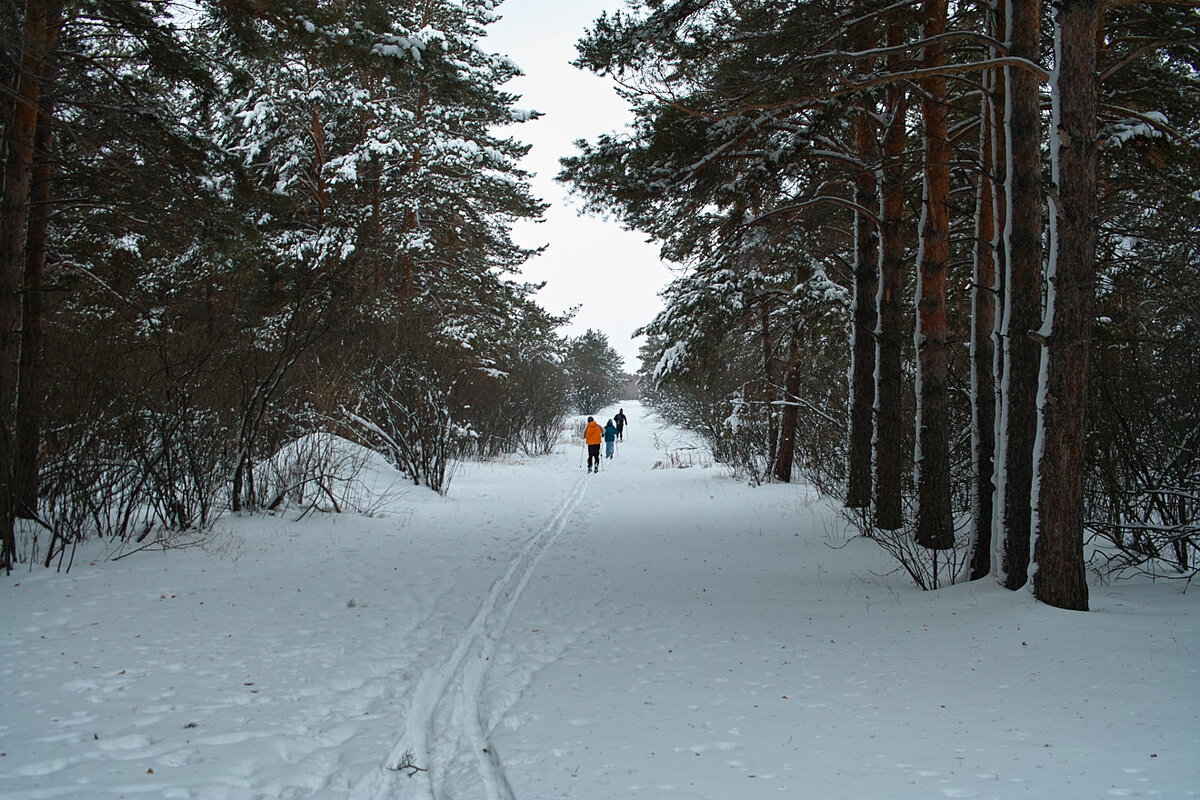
[(594, 372), (935, 526), (1144, 430), (866, 289), (1060, 576), (761, 116), (889, 422), (1022, 294), (95, 120), (985, 296)]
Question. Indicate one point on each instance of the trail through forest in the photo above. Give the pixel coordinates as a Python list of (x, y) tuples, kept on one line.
[(659, 629), (444, 716)]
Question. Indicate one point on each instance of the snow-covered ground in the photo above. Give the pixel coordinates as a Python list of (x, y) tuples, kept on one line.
[(544, 633)]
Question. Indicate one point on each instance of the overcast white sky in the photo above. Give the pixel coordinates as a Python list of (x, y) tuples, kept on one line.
[(612, 274)]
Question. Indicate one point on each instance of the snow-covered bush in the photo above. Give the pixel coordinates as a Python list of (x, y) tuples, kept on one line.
[(318, 471), (519, 409), (928, 568), (163, 468), (409, 412), (540, 407), (1155, 531)]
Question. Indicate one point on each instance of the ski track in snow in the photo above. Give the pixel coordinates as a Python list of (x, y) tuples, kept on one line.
[(432, 740), (666, 633)]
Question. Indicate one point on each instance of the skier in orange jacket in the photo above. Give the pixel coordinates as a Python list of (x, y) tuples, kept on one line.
[(593, 435)]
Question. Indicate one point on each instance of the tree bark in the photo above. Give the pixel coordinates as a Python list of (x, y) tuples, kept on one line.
[(935, 524), (27, 428), (786, 457), (769, 393), (1060, 577), (999, 240), (866, 289), (18, 145), (889, 420), (1022, 306), (983, 323)]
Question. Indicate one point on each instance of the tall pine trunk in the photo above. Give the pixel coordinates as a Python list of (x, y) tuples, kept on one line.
[(866, 276), (27, 426), (999, 92), (18, 145), (935, 524), (1060, 576), (983, 322), (785, 458), (1022, 305), (889, 419), (768, 368)]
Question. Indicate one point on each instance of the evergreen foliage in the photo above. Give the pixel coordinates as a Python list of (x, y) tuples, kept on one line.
[(768, 157), (594, 373), (265, 219)]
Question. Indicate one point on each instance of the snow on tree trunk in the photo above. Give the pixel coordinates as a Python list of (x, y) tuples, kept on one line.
[(1059, 576), (889, 513), (983, 324), (866, 260), (1022, 305), (999, 18), (935, 525)]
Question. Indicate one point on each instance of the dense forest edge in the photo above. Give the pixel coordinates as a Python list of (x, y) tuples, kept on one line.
[(940, 259)]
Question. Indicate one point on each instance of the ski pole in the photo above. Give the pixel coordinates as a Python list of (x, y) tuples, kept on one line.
[(582, 448)]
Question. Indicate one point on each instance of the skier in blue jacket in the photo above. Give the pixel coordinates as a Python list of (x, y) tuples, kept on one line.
[(610, 439)]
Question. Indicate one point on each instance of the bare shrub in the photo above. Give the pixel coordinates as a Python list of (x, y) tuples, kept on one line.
[(184, 464), (541, 407), (406, 413), (129, 447), (1154, 532), (928, 568), (745, 444), (318, 472), (520, 409), (679, 459), (87, 490)]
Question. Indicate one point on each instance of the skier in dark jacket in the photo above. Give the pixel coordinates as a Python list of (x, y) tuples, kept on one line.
[(610, 438), (621, 421)]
